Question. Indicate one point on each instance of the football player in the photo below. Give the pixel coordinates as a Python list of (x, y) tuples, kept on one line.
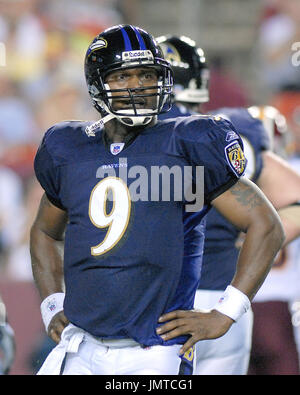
[(273, 307), (120, 300), (230, 353)]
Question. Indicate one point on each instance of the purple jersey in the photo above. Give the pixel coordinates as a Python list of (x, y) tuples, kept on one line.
[(124, 242)]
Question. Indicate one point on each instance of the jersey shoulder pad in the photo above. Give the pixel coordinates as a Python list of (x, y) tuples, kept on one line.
[(213, 139), (62, 137), (248, 126), (64, 129), (205, 128)]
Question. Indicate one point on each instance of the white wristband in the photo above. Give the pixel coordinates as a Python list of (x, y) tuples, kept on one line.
[(233, 303), (50, 306)]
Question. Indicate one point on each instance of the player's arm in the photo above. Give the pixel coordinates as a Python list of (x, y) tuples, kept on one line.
[(46, 241), (281, 184), (247, 208)]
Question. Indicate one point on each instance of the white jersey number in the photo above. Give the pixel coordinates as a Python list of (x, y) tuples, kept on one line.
[(115, 190)]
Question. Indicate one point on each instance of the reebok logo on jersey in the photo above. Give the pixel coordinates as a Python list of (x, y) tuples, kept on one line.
[(231, 136)]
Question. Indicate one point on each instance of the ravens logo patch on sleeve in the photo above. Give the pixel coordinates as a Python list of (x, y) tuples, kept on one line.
[(236, 158)]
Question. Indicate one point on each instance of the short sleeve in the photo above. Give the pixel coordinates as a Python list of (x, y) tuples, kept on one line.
[(214, 144), (254, 135), (48, 174)]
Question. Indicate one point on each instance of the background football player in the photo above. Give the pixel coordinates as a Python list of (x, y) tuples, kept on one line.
[(275, 305), (230, 353)]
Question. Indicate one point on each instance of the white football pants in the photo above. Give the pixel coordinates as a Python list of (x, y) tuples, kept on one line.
[(229, 354), (79, 353)]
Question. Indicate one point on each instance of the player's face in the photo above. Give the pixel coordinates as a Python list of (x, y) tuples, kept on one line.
[(134, 79)]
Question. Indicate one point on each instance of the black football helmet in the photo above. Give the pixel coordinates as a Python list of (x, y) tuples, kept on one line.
[(121, 47), (190, 70)]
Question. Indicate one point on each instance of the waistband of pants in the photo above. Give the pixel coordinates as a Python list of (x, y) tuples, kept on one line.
[(112, 343)]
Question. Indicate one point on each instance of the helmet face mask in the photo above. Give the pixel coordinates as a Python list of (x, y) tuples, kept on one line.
[(190, 70), (121, 48)]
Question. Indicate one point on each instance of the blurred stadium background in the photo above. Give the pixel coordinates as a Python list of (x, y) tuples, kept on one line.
[(248, 45)]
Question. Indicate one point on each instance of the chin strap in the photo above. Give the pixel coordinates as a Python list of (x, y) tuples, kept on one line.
[(127, 120), (130, 119), (97, 126)]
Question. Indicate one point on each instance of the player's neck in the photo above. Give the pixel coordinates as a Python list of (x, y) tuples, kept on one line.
[(117, 132)]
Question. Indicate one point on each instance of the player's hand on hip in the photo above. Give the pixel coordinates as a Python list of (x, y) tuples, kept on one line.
[(200, 325), (57, 325)]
